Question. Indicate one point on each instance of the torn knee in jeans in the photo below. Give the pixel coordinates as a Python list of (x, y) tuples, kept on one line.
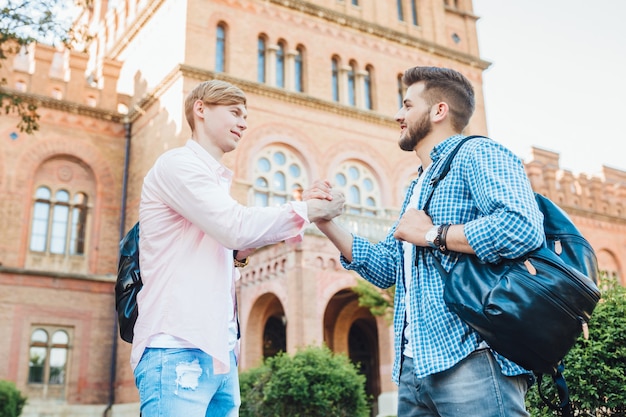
[(188, 374)]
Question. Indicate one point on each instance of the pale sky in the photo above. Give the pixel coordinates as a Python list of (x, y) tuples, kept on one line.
[(557, 79)]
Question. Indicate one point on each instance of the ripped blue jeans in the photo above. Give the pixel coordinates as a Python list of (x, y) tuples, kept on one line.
[(181, 382)]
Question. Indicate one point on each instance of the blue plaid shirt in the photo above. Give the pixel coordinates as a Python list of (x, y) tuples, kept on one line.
[(488, 191)]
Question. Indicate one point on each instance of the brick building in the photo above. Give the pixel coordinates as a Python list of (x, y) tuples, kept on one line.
[(323, 82)]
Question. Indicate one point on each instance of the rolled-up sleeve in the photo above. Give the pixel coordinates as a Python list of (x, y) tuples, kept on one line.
[(377, 263), (511, 224)]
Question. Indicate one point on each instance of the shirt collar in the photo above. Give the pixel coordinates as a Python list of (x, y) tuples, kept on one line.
[(441, 149), (444, 147), (206, 157)]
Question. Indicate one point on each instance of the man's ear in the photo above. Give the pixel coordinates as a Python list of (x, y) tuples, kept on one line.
[(439, 112), (198, 109)]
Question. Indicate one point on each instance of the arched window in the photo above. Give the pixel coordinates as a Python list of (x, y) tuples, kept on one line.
[(58, 357), (60, 220), (367, 88), (220, 48), (414, 12), (352, 84), (79, 221), (335, 78), (400, 11), (299, 69), (280, 65), (41, 217), (48, 356), (37, 356), (56, 219), (608, 265), (360, 188), (278, 177), (261, 54)]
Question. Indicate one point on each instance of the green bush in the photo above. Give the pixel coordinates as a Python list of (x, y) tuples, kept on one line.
[(11, 400), (379, 301), (312, 383), (595, 369)]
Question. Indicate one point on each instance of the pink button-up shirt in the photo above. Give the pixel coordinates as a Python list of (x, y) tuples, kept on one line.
[(189, 227)]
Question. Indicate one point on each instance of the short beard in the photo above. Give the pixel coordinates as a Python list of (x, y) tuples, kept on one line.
[(416, 133)]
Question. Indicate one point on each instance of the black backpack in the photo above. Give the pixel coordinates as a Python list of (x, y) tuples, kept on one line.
[(128, 284), (563, 238)]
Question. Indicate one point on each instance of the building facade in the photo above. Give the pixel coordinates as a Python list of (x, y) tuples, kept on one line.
[(323, 83)]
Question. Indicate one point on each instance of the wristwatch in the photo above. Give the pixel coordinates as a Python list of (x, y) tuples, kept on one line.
[(237, 262), (241, 264), (431, 237)]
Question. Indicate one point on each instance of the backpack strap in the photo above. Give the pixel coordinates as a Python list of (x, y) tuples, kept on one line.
[(565, 405), (434, 181), (445, 169)]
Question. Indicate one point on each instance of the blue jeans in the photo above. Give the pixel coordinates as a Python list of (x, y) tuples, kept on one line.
[(473, 387), (181, 382)]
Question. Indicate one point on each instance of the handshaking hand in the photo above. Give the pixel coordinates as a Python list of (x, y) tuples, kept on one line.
[(323, 202)]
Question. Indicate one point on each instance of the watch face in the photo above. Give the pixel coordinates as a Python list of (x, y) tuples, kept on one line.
[(431, 235)]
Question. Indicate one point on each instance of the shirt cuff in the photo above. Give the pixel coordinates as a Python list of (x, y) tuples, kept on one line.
[(301, 209)]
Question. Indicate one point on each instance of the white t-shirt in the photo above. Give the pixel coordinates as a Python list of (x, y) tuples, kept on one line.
[(409, 257)]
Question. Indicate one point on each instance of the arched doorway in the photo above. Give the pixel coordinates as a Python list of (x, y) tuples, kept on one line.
[(351, 329), (274, 336), (363, 352), (265, 330)]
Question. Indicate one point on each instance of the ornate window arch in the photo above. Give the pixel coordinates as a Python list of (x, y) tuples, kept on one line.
[(360, 187), (59, 222), (61, 216), (278, 177)]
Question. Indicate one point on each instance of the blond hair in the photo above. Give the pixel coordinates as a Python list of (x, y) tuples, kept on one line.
[(213, 92)]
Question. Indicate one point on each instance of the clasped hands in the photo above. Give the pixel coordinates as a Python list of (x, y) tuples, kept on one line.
[(324, 203), (412, 226)]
